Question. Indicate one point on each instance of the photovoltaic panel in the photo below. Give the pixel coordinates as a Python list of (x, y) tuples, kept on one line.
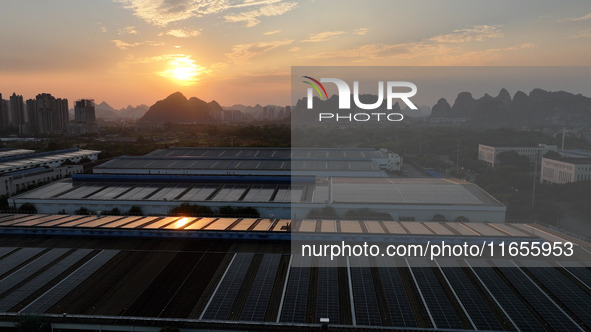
[(244, 224), (199, 224), (221, 302), (180, 223), (263, 225), (296, 295), (260, 292), (142, 221), (220, 224), (475, 305), (110, 192), (399, 306), (32, 222), (56, 293), (438, 228), (350, 226), (281, 225), (566, 291), (59, 221), (328, 226), (77, 221), (394, 227), (16, 258), (160, 223), (439, 304), (503, 294), (26, 271), (581, 273), (120, 222), (365, 301), (374, 227), (327, 292), (542, 304), (101, 221), (17, 218), (308, 225), (22, 292)]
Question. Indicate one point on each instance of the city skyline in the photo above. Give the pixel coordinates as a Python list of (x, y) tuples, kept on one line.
[(130, 52)]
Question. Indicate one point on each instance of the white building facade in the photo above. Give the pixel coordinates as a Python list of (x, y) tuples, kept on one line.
[(565, 171), (488, 154)]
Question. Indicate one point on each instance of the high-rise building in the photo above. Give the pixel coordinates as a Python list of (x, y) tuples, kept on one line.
[(17, 111), (84, 117), (84, 111), (32, 116), (3, 113), (51, 114)]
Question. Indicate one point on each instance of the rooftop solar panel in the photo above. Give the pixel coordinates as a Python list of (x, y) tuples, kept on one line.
[(473, 302), (17, 218), (101, 221), (399, 307), (565, 291), (220, 224), (52, 296), (34, 221), (350, 226), (374, 227), (502, 293), (438, 228), (199, 224), (160, 223), (394, 227), (222, 300), (140, 222), (244, 224), (22, 292), (180, 223), (120, 222), (367, 311), (260, 292), (308, 225), (263, 225), (60, 221), (550, 312), (436, 299), (328, 226), (327, 291), (296, 295), (16, 258), (485, 229), (77, 221)]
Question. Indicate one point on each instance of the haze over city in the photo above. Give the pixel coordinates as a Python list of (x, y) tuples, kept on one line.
[(138, 52)]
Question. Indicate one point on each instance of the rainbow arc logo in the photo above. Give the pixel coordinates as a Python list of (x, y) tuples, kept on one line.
[(317, 86)]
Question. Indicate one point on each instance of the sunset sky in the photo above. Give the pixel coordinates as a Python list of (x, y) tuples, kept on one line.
[(241, 51)]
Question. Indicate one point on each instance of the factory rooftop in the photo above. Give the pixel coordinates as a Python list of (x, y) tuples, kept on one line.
[(83, 281), (44, 159)]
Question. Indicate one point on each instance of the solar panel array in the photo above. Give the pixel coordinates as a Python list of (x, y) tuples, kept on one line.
[(260, 293), (221, 302), (265, 287)]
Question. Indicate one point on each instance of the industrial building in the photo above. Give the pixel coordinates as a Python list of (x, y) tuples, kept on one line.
[(488, 154), (282, 197), (118, 273), (257, 161), (21, 169), (565, 170)]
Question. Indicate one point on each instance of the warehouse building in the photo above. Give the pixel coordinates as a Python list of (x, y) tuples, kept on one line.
[(257, 161), (21, 169), (279, 196), (238, 274)]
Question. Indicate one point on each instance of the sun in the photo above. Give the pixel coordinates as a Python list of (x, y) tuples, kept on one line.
[(182, 69), (183, 73)]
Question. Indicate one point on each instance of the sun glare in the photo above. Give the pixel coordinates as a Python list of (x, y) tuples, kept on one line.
[(182, 222), (182, 69)]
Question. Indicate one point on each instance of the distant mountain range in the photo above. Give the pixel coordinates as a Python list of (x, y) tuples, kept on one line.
[(104, 111), (176, 108), (539, 109)]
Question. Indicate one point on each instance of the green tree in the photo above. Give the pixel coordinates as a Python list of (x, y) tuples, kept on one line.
[(27, 208), (135, 211)]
